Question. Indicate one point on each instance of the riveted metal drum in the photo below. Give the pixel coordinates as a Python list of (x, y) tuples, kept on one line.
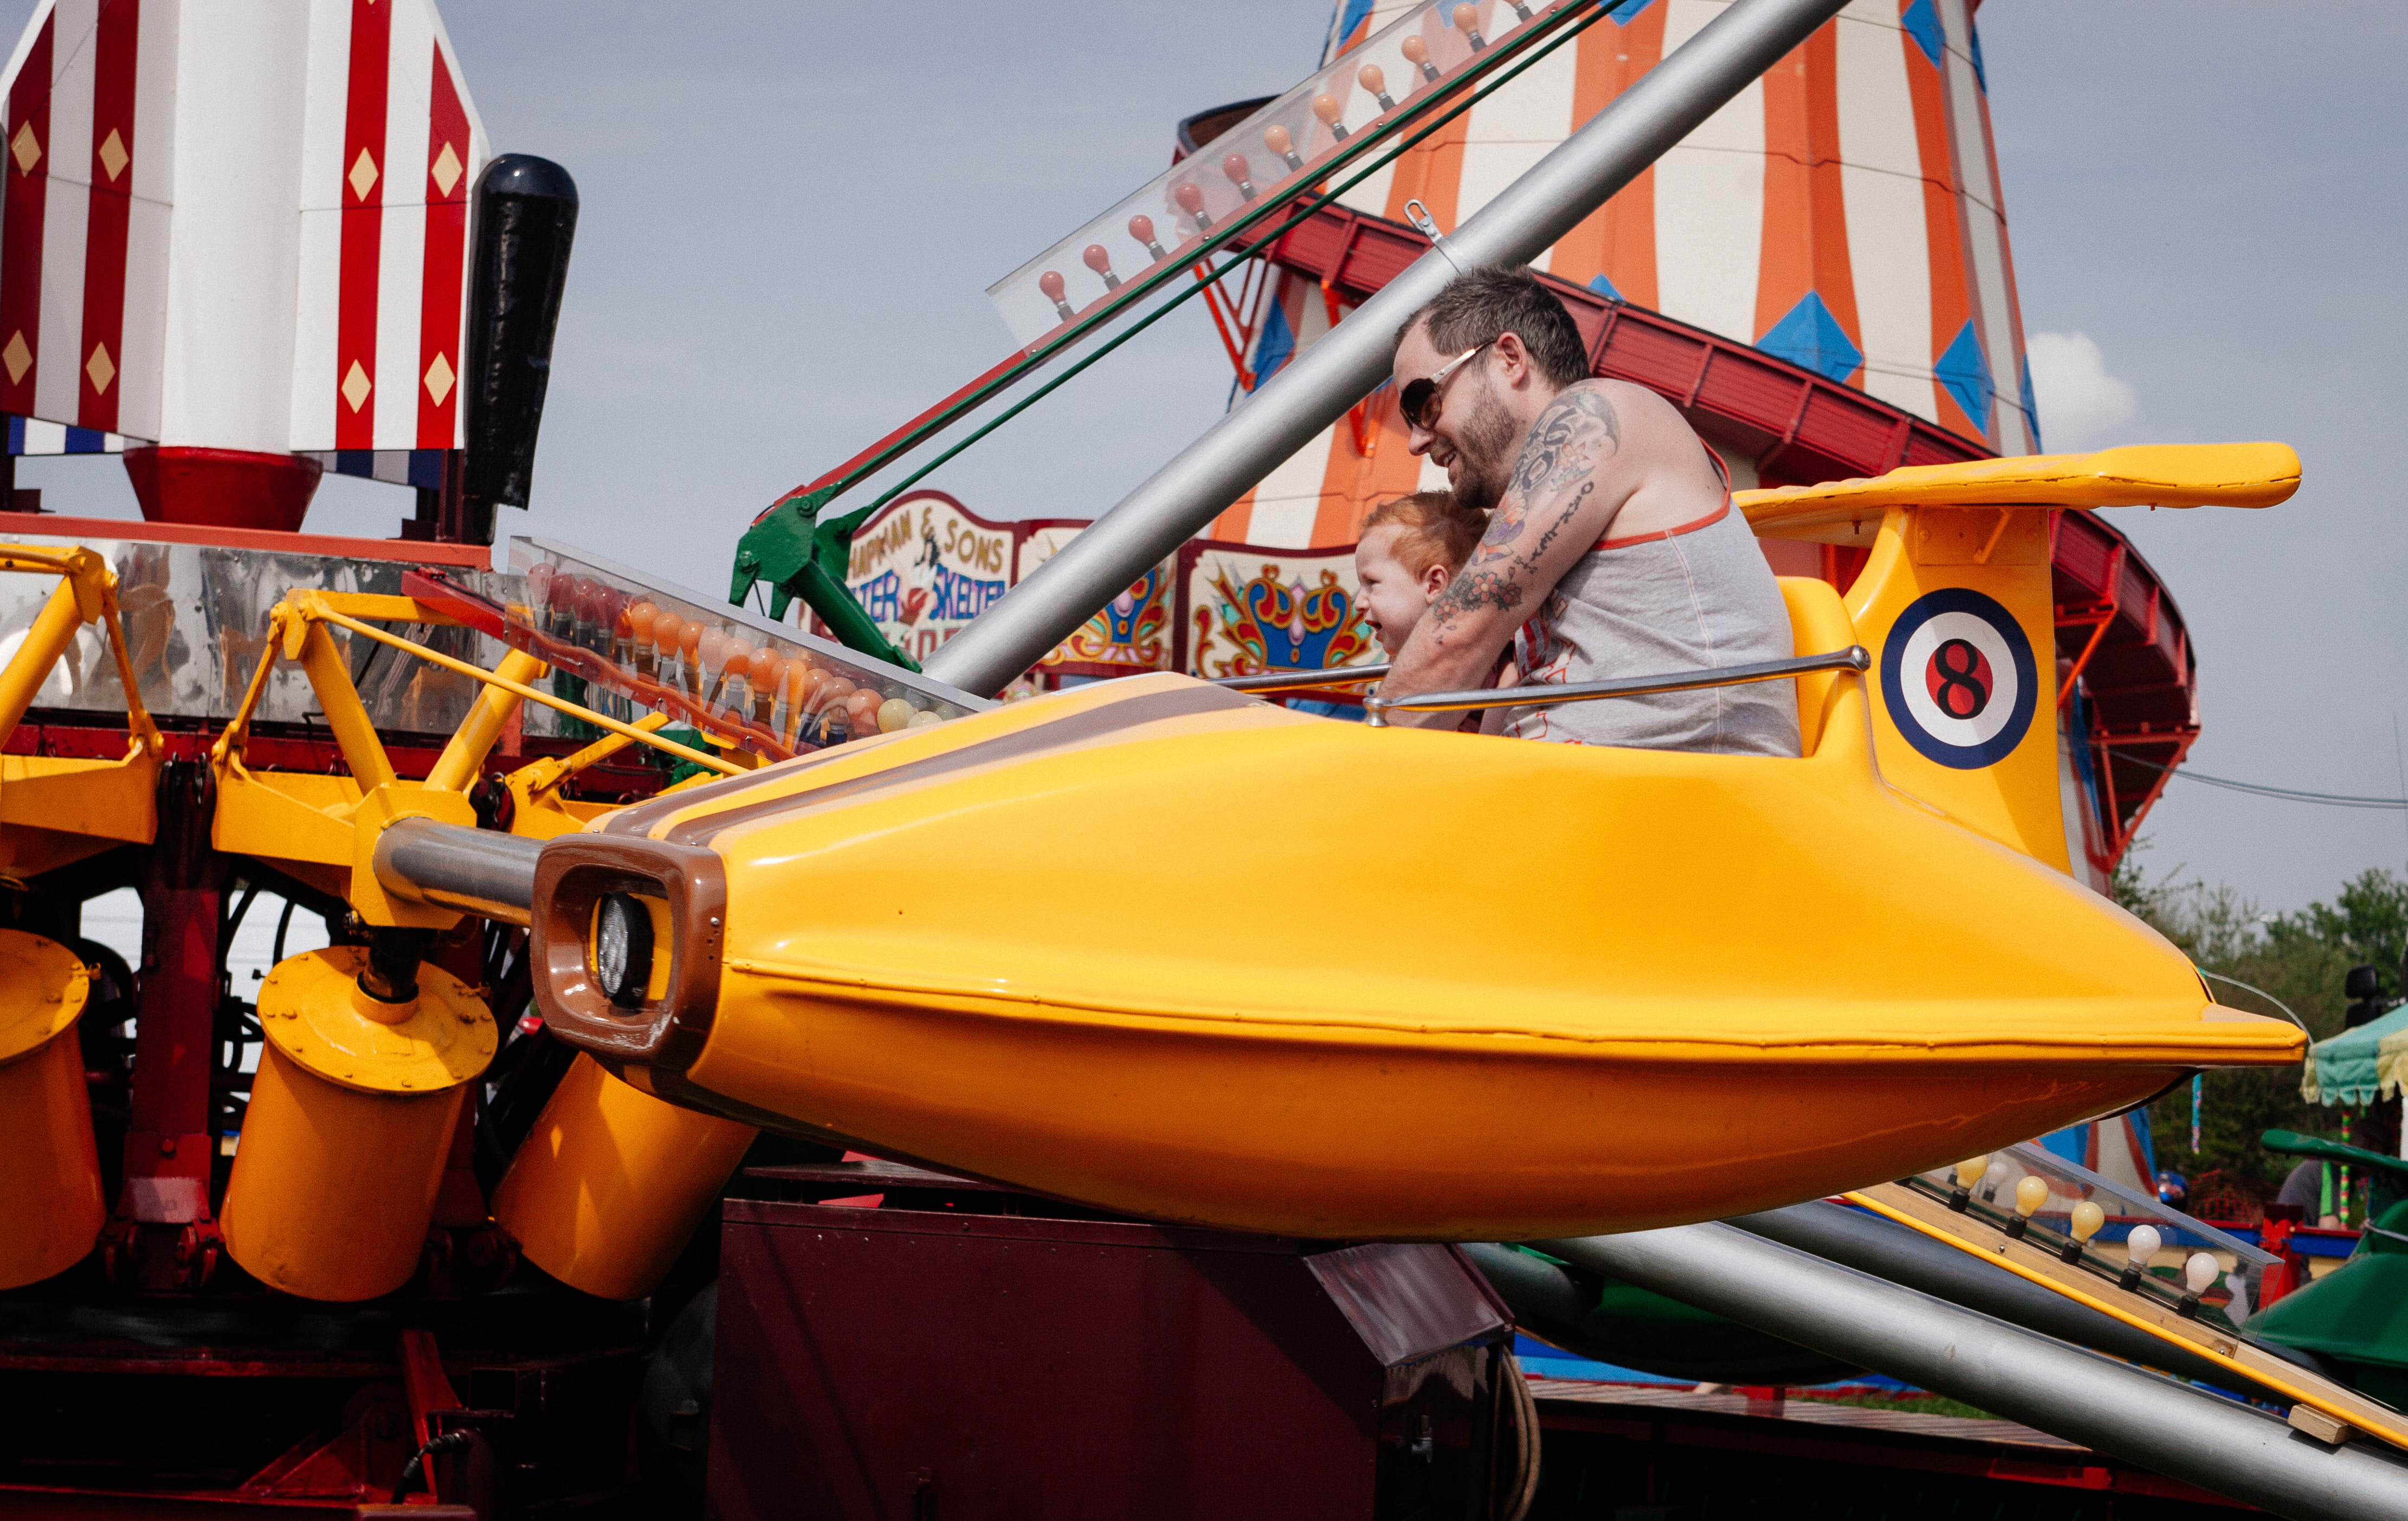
[(50, 1191), (607, 1187), (349, 1123)]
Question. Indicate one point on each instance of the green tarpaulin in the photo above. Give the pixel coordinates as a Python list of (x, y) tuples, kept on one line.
[(2359, 1065)]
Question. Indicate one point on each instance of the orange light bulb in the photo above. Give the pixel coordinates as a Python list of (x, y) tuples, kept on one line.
[(1325, 107), (1238, 171), (1275, 137)]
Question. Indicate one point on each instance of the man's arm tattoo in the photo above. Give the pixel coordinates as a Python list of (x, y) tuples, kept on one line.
[(1577, 430)]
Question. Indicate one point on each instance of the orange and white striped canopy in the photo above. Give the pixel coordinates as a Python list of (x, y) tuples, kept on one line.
[(1842, 213)]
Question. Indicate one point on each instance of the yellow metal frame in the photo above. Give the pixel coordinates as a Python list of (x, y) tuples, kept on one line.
[(55, 811), (323, 829), (1984, 527)]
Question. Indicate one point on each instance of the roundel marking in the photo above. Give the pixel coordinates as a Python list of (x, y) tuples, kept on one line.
[(1958, 677)]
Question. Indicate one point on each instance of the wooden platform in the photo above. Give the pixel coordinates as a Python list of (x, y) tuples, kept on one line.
[(1815, 1431)]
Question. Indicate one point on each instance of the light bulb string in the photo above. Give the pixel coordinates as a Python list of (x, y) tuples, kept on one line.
[(1382, 152)]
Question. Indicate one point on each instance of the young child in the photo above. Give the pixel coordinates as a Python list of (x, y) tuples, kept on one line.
[(1411, 547)]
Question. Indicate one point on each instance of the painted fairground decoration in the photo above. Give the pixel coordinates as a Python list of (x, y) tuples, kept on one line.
[(1132, 633), (926, 566), (1244, 610)]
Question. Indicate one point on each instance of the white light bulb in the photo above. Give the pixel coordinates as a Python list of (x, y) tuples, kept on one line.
[(1996, 1178), (2030, 1195), (2143, 1245), (2200, 1272)]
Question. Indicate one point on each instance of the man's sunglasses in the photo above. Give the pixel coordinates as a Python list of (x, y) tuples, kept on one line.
[(1418, 401)]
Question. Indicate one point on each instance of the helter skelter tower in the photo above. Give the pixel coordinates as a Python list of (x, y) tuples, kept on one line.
[(1841, 214)]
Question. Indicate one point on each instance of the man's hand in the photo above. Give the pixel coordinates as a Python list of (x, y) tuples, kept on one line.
[(1568, 482)]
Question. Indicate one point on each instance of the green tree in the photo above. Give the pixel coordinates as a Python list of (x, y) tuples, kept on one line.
[(2298, 960)]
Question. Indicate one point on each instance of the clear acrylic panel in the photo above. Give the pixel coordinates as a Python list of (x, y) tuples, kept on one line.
[(1277, 151), (196, 621), (2049, 1214), (625, 645)]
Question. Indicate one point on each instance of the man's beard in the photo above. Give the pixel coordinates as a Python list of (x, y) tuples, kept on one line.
[(1485, 449)]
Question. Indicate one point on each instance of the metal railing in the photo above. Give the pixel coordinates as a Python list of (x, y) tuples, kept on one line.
[(1853, 658), (1288, 680)]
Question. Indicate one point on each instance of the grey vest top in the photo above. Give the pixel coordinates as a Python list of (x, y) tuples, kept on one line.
[(1698, 595)]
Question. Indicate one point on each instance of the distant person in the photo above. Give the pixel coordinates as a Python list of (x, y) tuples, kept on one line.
[(1612, 548), (2303, 1188), (2174, 1190)]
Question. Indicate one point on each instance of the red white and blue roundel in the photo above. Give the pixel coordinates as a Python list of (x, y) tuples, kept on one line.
[(1958, 677)]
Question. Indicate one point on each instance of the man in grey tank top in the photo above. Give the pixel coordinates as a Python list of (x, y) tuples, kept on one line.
[(1612, 550)]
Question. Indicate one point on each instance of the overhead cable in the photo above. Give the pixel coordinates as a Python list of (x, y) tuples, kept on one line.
[(2288, 794)]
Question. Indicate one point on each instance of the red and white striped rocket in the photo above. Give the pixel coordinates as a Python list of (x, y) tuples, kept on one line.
[(238, 225)]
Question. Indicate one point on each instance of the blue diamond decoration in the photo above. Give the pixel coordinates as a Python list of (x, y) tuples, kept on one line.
[(1967, 375), (2031, 407), (1350, 18), (1811, 338), (1277, 345), (1622, 12), (1921, 23), (1604, 287)]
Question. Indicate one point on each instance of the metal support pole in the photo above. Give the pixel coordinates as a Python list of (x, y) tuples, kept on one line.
[(1887, 1249), (1313, 389), (2116, 1408), (474, 871)]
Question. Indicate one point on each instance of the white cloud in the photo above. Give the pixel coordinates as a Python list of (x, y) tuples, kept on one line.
[(2081, 405)]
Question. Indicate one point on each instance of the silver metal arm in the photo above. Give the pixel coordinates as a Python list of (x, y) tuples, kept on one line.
[(1282, 680), (474, 871), (1855, 658), (1316, 387), (2139, 1417)]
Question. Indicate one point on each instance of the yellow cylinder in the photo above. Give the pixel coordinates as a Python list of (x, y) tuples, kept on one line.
[(350, 1125), (607, 1187), (49, 1186)]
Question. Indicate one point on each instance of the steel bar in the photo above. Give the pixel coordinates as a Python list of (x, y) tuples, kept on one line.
[(1314, 389), (1854, 657), (1886, 1249), (2186, 1434), (474, 871), (1282, 681)]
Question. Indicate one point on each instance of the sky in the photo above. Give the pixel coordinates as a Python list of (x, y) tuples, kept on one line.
[(789, 215)]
